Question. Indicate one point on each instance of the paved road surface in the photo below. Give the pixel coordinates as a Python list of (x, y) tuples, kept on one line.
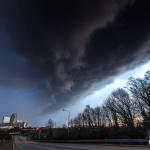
[(22, 144)]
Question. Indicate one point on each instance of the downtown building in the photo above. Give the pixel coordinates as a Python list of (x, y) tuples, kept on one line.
[(9, 122)]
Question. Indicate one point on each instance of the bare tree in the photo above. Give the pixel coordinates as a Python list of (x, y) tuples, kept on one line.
[(110, 105), (98, 116), (78, 121), (140, 90), (124, 106), (106, 117), (87, 115)]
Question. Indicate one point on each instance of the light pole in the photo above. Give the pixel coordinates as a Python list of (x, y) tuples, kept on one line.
[(68, 118)]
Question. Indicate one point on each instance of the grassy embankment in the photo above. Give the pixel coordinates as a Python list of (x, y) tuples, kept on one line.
[(5, 141)]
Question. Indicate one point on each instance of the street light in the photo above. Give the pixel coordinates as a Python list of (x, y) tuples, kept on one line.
[(68, 118)]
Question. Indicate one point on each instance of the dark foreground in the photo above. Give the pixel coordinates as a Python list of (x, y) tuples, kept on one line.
[(6, 145), (22, 144)]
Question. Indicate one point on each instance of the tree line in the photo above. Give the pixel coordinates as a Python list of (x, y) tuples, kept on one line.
[(125, 107)]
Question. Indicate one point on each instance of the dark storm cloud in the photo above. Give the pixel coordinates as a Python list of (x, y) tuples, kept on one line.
[(64, 47)]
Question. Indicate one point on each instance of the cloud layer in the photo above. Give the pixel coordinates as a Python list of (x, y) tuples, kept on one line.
[(63, 48)]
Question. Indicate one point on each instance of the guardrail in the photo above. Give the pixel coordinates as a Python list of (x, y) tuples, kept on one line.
[(104, 141)]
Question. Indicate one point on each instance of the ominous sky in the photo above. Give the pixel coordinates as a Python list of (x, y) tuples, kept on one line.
[(53, 53)]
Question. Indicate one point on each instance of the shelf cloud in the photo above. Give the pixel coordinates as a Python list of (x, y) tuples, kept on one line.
[(63, 48)]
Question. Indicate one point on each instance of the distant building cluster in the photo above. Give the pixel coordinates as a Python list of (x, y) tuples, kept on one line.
[(9, 122)]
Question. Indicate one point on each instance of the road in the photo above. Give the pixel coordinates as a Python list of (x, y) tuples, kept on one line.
[(22, 144)]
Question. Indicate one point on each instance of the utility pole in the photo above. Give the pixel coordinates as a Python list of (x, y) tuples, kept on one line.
[(68, 118), (148, 137)]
